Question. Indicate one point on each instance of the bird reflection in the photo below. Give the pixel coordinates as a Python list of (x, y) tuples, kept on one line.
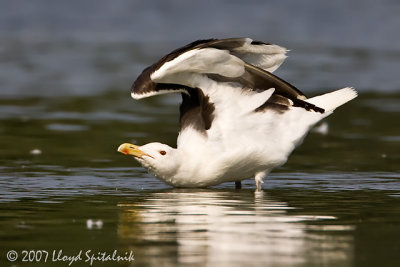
[(228, 229)]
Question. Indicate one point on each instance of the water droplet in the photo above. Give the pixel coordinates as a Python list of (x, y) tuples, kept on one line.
[(35, 151)]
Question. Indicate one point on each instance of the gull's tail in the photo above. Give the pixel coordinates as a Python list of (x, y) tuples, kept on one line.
[(303, 120), (331, 101)]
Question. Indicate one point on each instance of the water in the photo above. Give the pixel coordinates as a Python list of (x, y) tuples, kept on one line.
[(65, 75)]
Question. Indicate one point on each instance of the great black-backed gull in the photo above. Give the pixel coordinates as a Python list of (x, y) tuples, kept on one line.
[(237, 119)]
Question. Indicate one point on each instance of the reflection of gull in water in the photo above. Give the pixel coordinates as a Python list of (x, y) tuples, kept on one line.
[(212, 228)]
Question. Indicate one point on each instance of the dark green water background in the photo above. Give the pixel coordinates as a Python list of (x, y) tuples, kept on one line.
[(336, 202)]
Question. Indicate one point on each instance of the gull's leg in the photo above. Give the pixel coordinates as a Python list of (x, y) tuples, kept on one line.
[(259, 177), (238, 185)]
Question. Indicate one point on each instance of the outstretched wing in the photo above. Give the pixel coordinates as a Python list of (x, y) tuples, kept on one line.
[(200, 67), (226, 57)]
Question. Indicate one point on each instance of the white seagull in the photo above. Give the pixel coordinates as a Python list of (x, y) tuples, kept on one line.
[(237, 119)]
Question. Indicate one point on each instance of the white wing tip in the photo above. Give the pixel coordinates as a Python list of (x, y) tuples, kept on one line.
[(159, 92), (138, 96)]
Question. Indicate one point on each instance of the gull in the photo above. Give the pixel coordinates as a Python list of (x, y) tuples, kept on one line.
[(237, 119)]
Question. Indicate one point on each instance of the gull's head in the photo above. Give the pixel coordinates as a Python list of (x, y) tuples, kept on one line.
[(160, 159)]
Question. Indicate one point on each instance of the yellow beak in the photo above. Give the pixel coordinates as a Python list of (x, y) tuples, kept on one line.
[(129, 149)]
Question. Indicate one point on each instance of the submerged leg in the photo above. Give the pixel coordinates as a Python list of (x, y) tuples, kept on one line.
[(238, 185), (259, 177)]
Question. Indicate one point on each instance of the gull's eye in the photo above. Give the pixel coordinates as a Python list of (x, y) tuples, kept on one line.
[(162, 152)]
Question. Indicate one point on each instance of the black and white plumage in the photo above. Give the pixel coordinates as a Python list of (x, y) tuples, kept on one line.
[(237, 119)]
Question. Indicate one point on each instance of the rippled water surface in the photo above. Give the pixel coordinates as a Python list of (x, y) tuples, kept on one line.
[(65, 108)]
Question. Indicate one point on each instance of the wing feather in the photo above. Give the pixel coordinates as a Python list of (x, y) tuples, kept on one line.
[(225, 57), (200, 61), (200, 68)]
